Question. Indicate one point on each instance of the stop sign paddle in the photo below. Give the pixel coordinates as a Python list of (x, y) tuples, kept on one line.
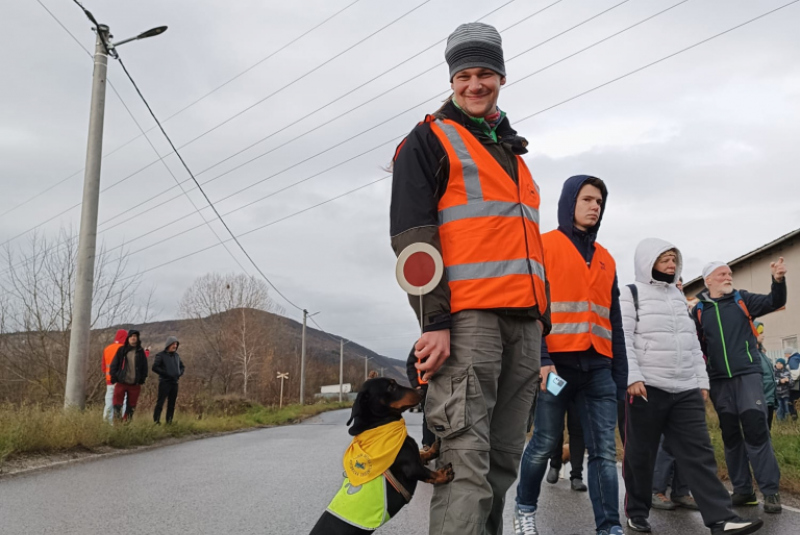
[(419, 270)]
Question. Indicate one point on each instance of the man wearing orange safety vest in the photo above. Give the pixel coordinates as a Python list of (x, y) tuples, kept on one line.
[(586, 347), (460, 184), (108, 356)]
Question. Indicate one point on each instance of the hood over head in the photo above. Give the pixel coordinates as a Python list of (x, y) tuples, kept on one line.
[(171, 340), (121, 336), (131, 333), (566, 205), (647, 252)]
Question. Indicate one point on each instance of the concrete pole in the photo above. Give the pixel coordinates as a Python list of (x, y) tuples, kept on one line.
[(366, 367), (303, 359), (280, 403), (75, 394), (341, 368)]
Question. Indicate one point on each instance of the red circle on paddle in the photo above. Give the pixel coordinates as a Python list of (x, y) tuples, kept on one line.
[(419, 269)]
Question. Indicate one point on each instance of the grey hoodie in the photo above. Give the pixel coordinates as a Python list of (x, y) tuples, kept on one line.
[(168, 366), (662, 346)]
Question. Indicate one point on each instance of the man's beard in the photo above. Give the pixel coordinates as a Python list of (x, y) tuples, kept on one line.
[(727, 289)]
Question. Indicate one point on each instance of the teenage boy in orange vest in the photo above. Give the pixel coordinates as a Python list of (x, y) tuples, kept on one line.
[(586, 347), (460, 185)]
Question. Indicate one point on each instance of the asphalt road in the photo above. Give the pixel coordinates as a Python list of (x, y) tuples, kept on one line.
[(271, 481)]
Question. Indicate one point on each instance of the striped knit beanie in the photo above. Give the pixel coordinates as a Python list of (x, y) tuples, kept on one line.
[(475, 45)]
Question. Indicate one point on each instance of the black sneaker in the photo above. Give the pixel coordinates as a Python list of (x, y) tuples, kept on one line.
[(639, 523), (552, 476), (744, 499), (578, 485), (772, 503), (737, 526)]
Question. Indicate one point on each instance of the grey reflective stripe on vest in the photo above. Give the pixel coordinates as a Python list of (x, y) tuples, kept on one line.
[(470, 171), (570, 328), (490, 270), (601, 311), (602, 332), (569, 306), (487, 209)]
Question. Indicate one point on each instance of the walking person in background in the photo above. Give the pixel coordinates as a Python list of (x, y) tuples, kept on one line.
[(667, 389), (459, 183), (128, 373), (767, 376), (586, 348), (667, 474), (792, 358), (785, 383), (724, 320), (108, 356), (169, 368), (577, 451)]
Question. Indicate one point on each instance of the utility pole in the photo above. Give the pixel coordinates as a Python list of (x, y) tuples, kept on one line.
[(341, 368), (75, 391), (366, 367), (306, 315)]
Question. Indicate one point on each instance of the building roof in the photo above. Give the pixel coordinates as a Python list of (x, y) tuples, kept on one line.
[(753, 253)]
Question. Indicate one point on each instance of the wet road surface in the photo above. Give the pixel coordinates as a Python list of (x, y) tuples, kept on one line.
[(271, 481)]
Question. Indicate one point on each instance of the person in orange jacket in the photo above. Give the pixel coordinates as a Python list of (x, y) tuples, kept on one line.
[(108, 355)]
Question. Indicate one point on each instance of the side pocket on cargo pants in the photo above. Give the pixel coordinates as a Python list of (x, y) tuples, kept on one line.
[(446, 403)]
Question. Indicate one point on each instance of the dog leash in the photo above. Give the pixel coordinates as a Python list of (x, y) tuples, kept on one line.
[(397, 485)]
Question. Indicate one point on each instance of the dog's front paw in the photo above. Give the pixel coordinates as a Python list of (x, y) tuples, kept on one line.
[(443, 475)]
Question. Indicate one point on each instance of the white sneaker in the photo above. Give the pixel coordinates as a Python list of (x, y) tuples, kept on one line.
[(524, 523)]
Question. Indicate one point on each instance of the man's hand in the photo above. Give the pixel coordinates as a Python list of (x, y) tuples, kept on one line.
[(637, 389), (543, 373), (778, 270), (704, 392), (432, 349)]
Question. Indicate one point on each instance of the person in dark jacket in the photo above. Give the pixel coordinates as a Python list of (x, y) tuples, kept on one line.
[(597, 375), (428, 438), (169, 368), (785, 383), (482, 324), (792, 358), (128, 373), (724, 320)]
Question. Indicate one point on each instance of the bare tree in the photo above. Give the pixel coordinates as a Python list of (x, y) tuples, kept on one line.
[(228, 328), (37, 286)]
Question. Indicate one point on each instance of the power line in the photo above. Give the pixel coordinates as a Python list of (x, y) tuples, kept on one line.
[(637, 70), (193, 103)]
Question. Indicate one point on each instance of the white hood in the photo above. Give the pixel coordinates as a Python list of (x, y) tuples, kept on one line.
[(647, 252)]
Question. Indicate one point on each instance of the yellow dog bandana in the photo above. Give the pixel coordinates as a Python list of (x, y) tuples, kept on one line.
[(372, 452)]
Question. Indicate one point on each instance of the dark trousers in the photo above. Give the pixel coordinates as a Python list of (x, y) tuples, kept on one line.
[(167, 390), (742, 412), (681, 418), (577, 447), (666, 474)]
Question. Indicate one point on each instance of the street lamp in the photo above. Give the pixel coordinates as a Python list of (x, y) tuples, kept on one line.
[(75, 391)]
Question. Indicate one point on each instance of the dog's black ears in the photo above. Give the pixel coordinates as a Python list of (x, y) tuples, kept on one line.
[(361, 399)]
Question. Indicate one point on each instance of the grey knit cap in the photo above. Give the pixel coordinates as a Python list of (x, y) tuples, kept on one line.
[(475, 45)]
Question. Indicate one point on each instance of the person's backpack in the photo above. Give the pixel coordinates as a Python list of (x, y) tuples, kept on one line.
[(635, 293), (739, 301)]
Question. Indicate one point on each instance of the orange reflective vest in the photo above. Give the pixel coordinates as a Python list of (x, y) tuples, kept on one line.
[(489, 228), (108, 355), (580, 296)]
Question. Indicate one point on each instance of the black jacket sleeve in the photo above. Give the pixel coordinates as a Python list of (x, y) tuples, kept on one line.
[(158, 365), (141, 363), (411, 370), (417, 184), (182, 367), (113, 369), (759, 304), (619, 364)]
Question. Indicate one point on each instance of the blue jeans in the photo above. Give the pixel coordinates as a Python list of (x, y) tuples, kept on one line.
[(594, 392), (783, 408)]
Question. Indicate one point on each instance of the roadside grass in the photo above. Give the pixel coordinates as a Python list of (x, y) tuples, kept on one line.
[(33, 429)]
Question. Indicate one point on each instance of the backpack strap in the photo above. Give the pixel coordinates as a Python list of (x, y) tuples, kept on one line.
[(740, 302), (635, 293)]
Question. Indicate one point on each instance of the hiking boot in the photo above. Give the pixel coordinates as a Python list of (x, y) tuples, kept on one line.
[(552, 476), (687, 502), (660, 501), (744, 499), (639, 523), (736, 526), (577, 485), (772, 503), (524, 523)]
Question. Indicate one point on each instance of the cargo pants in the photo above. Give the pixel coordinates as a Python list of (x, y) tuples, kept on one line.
[(478, 404)]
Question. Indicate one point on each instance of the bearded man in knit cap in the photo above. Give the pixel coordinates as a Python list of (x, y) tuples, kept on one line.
[(460, 185), (724, 319)]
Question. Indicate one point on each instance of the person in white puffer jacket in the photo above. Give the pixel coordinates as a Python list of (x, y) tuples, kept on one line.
[(667, 386)]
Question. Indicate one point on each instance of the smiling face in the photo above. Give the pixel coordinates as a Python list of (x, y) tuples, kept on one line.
[(476, 91), (588, 207), (720, 282)]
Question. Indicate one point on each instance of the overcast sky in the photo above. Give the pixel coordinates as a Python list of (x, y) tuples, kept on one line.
[(700, 149)]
